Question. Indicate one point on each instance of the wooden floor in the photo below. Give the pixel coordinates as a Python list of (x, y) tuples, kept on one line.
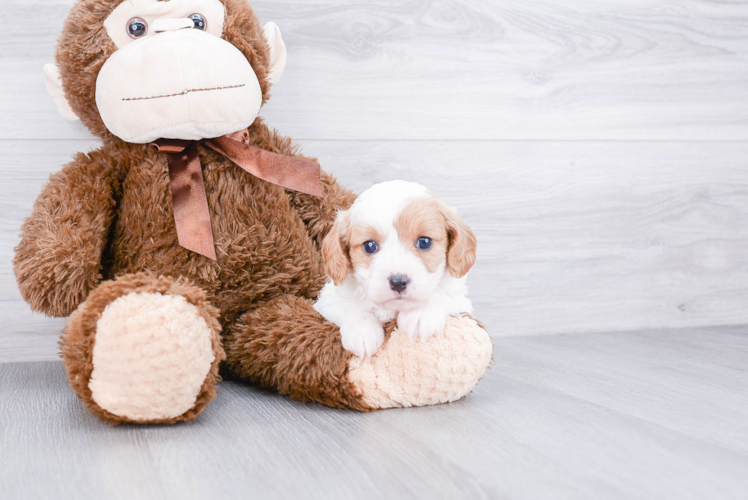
[(650, 414)]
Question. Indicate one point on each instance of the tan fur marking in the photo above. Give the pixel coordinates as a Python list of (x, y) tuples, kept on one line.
[(359, 235), (423, 217), (452, 237), (462, 243), (335, 250)]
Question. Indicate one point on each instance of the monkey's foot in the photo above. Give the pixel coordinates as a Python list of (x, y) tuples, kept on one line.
[(441, 369), (144, 349)]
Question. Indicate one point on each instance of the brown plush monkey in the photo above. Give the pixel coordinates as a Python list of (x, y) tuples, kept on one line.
[(151, 321)]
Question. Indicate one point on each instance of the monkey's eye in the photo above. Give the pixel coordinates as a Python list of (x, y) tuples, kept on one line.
[(200, 22), (424, 243), (137, 27), (371, 247)]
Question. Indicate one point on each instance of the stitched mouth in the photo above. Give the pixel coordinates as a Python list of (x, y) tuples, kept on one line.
[(184, 92)]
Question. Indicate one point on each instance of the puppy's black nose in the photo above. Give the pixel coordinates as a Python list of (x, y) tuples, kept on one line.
[(398, 282)]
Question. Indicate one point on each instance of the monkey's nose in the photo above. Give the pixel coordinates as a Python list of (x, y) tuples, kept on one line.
[(398, 282), (173, 24)]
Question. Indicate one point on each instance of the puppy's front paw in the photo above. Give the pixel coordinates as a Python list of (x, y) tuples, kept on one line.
[(421, 323), (363, 338)]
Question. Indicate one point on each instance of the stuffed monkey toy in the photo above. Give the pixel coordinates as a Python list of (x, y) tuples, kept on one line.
[(190, 240)]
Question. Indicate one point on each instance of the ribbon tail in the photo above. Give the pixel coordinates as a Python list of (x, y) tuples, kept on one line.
[(292, 173), (191, 211), (287, 171)]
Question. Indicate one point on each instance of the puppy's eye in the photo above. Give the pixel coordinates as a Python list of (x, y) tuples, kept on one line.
[(137, 27), (423, 243), (371, 247)]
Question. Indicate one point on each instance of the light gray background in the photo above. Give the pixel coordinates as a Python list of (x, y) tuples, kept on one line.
[(598, 149)]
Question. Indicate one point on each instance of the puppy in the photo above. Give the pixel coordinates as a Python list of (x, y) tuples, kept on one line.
[(397, 252)]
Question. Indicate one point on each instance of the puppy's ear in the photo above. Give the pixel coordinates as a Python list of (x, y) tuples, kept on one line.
[(335, 250), (462, 244)]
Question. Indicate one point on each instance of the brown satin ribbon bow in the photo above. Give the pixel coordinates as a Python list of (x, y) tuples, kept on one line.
[(191, 212)]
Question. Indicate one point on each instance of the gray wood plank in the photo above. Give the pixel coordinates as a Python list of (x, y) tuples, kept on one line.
[(573, 237), (584, 236), (651, 414), (461, 69)]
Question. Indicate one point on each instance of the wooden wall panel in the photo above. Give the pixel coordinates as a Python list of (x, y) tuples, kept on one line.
[(457, 69), (598, 149), (573, 237)]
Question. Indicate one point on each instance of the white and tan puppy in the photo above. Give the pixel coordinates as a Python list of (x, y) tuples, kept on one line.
[(397, 252)]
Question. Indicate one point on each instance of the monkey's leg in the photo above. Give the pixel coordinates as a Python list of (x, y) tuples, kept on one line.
[(144, 349), (286, 345)]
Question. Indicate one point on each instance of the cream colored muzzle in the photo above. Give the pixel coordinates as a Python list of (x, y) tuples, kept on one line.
[(161, 25), (177, 84)]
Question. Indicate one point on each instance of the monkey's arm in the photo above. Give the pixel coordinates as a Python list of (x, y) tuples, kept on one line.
[(317, 213), (58, 261)]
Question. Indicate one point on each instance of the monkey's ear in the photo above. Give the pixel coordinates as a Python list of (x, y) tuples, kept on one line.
[(277, 52), (54, 87)]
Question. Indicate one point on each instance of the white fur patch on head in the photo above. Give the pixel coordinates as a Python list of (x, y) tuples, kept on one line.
[(382, 203), (378, 208), (152, 354)]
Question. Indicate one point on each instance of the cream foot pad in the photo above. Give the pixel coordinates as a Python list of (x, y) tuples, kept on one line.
[(152, 354), (442, 369)]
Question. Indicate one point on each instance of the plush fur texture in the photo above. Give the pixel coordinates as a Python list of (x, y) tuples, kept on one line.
[(441, 369), (287, 346), (78, 341), (103, 228), (267, 241), (58, 261)]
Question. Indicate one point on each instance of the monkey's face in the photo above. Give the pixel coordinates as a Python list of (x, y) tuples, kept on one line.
[(172, 74)]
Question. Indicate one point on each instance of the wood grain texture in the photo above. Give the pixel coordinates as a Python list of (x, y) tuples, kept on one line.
[(573, 237), (623, 205), (579, 237), (462, 69), (653, 414)]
